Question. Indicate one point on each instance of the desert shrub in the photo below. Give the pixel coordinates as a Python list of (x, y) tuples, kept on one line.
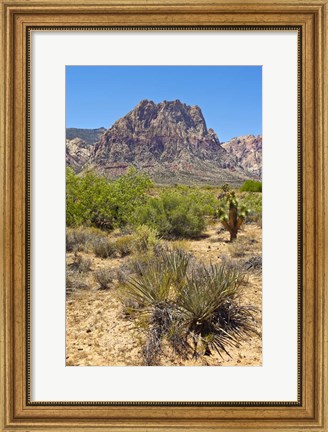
[(104, 277), (253, 202), (124, 272), (125, 245), (238, 248), (145, 238), (251, 186), (92, 200), (75, 241), (81, 239), (80, 264), (178, 212), (104, 248), (74, 281)]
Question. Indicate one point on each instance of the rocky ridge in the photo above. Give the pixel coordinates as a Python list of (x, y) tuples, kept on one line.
[(246, 152), (169, 141)]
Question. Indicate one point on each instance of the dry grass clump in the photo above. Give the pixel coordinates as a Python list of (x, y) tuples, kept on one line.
[(81, 239), (125, 245), (75, 281), (194, 307), (104, 248), (238, 248), (80, 264), (104, 277)]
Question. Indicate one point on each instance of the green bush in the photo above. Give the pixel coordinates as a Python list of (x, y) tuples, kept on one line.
[(178, 212), (253, 202), (251, 186), (145, 238), (92, 200)]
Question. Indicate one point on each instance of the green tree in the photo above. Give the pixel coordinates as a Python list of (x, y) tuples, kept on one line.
[(92, 200)]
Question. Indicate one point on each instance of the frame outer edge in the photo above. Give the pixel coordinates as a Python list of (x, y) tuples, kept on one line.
[(2, 218), (321, 201), (324, 66)]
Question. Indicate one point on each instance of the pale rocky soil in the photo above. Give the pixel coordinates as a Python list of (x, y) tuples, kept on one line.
[(98, 334)]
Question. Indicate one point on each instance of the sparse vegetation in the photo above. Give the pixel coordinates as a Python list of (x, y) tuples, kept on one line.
[(80, 264), (254, 263), (81, 239), (125, 245), (74, 282), (149, 254), (104, 248), (104, 278)]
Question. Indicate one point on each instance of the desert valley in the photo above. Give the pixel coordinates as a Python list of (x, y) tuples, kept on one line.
[(163, 242)]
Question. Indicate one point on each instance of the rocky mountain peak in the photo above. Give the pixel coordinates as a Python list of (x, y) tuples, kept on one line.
[(169, 141)]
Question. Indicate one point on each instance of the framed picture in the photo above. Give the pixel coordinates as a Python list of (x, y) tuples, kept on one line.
[(164, 202)]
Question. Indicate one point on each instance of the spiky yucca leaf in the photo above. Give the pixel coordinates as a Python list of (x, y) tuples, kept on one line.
[(150, 289)]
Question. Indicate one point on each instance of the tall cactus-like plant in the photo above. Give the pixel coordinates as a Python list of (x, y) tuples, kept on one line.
[(231, 212)]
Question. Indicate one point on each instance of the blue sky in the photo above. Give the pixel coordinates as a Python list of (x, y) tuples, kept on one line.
[(230, 96)]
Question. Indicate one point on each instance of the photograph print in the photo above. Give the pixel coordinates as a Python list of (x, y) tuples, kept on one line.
[(163, 216)]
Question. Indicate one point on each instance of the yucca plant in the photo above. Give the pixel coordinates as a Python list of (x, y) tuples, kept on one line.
[(195, 308), (175, 262), (151, 292), (206, 304), (150, 289)]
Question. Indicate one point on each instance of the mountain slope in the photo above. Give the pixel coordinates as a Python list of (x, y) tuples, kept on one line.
[(246, 152), (89, 136), (169, 141)]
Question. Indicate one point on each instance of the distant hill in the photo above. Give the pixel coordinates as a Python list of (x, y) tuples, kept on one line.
[(89, 136), (169, 141), (247, 152)]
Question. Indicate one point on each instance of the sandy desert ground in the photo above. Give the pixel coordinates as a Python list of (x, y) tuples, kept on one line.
[(98, 333)]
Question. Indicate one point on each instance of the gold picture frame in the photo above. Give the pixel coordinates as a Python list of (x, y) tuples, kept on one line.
[(18, 412)]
